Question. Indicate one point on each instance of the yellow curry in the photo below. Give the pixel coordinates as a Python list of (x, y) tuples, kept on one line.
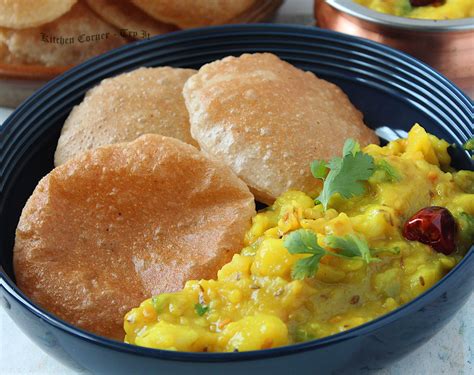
[(435, 10), (268, 296)]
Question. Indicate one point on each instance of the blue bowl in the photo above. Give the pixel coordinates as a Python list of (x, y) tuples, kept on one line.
[(389, 87)]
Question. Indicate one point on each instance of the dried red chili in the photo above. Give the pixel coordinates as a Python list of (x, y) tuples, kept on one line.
[(434, 226)]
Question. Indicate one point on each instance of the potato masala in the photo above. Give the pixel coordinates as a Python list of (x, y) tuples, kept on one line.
[(387, 224)]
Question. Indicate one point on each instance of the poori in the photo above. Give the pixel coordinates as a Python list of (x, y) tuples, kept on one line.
[(21, 14), (74, 37), (268, 120), (194, 13), (131, 20), (120, 109), (120, 223)]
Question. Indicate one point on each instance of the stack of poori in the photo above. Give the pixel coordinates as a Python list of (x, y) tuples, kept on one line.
[(154, 174), (53, 32), (65, 32)]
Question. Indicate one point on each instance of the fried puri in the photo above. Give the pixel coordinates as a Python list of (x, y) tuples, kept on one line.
[(194, 13), (130, 19), (124, 222), (120, 109), (74, 37), (20, 14), (268, 120)]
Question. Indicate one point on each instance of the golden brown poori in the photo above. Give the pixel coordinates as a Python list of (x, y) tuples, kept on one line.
[(120, 109), (194, 13), (268, 120), (21, 14), (123, 222), (74, 37), (131, 20)]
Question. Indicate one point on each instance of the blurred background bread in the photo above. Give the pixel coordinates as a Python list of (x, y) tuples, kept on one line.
[(40, 39), (194, 13), (20, 14), (54, 33), (76, 36), (124, 15)]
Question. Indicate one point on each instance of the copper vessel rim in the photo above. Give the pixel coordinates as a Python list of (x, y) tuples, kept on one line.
[(356, 10)]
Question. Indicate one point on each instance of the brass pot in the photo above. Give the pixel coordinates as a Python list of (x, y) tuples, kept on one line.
[(446, 45)]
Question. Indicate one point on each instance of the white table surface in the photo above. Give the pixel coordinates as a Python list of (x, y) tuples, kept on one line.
[(450, 352)]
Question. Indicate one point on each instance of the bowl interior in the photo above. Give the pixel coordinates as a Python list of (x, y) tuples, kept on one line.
[(390, 88)]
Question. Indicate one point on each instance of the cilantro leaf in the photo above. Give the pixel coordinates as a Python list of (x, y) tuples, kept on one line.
[(351, 246), (304, 241), (201, 309), (351, 146), (319, 169), (389, 170), (347, 175), (469, 145), (335, 163), (306, 267), (354, 169)]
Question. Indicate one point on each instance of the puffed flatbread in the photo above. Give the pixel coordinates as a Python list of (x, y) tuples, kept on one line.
[(76, 36), (131, 20), (121, 223), (120, 109), (194, 13), (21, 14), (268, 120)]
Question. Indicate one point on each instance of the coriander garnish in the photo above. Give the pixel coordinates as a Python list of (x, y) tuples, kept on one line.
[(469, 145), (392, 175), (351, 246), (346, 175), (201, 309), (303, 241)]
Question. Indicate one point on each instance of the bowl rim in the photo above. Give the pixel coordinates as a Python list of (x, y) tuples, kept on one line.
[(12, 290), (359, 11)]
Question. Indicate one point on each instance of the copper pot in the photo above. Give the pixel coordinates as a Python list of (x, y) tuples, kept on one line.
[(446, 45)]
